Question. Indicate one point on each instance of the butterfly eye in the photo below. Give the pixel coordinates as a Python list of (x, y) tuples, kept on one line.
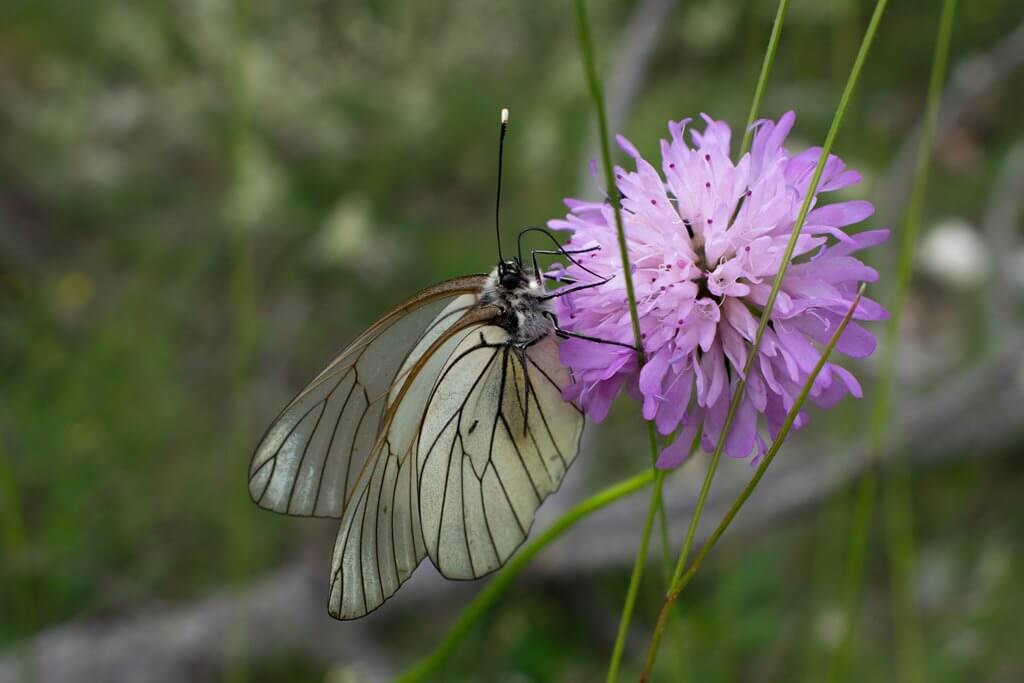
[(511, 280)]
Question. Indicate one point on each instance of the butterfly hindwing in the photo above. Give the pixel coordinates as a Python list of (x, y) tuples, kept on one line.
[(496, 441)]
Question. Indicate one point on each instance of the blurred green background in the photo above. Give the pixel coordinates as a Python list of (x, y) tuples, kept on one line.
[(202, 200)]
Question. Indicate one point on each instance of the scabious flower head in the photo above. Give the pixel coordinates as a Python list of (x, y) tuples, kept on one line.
[(706, 238)]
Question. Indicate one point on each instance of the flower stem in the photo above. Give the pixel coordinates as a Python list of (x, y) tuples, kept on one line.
[(12, 521), (656, 507), (863, 505), (14, 544), (762, 79), (634, 579), (741, 386), (656, 504), (755, 105), (597, 95), (238, 546), (895, 492), (489, 595), (666, 549), (684, 579)]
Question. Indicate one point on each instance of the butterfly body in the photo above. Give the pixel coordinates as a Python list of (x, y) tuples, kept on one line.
[(436, 433), (523, 308)]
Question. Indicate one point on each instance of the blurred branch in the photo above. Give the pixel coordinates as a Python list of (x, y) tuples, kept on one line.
[(973, 77), (284, 612), (934, 431), (281, 613), (629, 70)]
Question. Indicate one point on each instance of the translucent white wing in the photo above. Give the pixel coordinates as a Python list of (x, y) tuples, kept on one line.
[(380, 541), (496, 441), (309, 460)]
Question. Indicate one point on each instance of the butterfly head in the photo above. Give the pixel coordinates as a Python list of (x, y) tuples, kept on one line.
[(511, 275), (517, 296)]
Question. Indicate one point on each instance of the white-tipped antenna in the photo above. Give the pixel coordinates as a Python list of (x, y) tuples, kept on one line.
[(497, 201)]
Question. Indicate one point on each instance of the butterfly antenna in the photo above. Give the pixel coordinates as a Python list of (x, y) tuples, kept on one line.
[(497, 201)]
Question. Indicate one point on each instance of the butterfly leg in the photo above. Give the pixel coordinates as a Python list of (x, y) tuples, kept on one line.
[(601, 279), (528, 386), (580, 288), (566, 334), (559, 249), (568, 255), (566, 252)]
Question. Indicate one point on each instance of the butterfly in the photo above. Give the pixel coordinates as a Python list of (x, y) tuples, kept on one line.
[(438, 432)]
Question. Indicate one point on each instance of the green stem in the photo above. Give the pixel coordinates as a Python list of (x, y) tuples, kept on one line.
[(755, 105), (666, 546), (741, 386), (794, 412), (656, 504), (15, 546), (666, 549), (762, 79), (12, 522), (240, 302), (489, 595), (634, 579), (898, 516), (863, 506), (597, 95), (911, 223), (826, 557), (901, 553)]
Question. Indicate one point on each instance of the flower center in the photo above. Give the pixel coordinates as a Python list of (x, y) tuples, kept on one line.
[(703, 291)]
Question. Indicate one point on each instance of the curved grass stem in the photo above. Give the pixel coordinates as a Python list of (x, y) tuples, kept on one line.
[(794, 412), (239, 542), (898, 516), (741, 386), (14, 544), (489, 595), (755, 106), (762, 79), (656, 508), (634, 578)]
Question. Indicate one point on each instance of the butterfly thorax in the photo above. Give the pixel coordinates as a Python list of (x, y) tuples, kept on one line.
[(519, 296)]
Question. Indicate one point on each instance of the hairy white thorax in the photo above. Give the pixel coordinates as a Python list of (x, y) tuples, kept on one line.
[(519, 296)]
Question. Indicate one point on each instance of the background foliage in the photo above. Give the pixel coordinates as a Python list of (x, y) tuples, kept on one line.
[(201, 202)]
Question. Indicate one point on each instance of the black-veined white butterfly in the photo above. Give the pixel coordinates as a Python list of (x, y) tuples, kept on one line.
[(438, 432)]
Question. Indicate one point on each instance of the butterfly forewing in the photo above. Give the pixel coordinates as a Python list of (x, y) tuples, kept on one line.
[(309, 461)]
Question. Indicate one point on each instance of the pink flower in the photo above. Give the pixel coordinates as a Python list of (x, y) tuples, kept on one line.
[(706, 238)]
